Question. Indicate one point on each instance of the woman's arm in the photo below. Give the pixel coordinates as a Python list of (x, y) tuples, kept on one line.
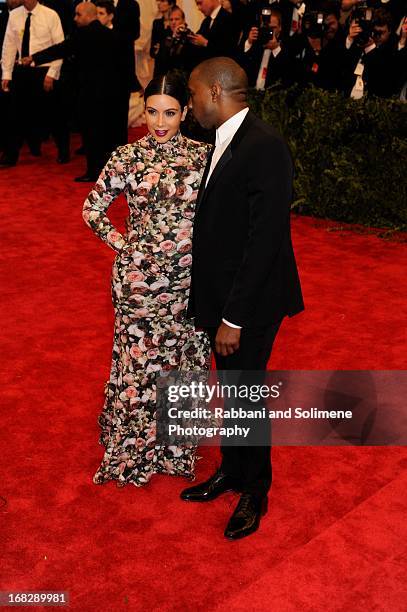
[(110, 184)]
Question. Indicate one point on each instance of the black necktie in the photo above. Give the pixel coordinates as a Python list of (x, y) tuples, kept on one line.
[(25, 47), (205, 27)]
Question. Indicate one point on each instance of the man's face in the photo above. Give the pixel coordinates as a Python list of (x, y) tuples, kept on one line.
[(332, 25), (81, 18), (104, 17), (381, 34), (206, 6), (176, 20), (29, 4), (275, 24), (201, 102), (163, 6)]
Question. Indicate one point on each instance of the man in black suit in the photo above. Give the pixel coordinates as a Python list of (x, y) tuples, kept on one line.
[(368, 69), (127, 25), (93, 49), (217, 34), (267, 62), (244, 275)]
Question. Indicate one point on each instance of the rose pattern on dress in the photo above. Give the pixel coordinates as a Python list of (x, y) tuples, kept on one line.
[(150, 288)]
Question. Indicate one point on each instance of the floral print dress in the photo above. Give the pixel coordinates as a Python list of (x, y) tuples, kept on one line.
[(150, 286)]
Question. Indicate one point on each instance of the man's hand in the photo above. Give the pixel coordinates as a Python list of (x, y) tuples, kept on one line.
[(27, 61), (48, 83), (5, 85), (227, 340), (253, 35), (198, 40), (354, 30)]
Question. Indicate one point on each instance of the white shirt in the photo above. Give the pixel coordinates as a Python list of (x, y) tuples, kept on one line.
[(45, 31), (214, 13), (224, 135), (262, 74)]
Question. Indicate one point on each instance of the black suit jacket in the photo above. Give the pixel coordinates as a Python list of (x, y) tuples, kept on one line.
[(243, 266), (158, 33), (284, 67), (222, 37), (378, 74), (127, 19), (95, 52)]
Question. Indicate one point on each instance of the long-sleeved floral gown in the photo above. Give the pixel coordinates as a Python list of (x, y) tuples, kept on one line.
[(150, 286)]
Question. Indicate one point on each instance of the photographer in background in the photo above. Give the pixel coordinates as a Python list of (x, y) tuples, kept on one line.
[(383, 31), (265, 58), (322, 55), (176, 51), (161, 27), (396, 8), (369, 69)]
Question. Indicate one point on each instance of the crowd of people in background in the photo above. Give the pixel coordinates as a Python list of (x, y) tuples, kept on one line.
[(71, 64)]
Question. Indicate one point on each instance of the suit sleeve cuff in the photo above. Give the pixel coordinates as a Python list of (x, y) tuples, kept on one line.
[(231, 324)]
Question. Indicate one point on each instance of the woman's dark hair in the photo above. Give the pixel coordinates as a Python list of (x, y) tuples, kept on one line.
[(171, 84)]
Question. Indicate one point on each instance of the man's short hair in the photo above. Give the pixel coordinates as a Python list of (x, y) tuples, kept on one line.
[(277, 14), (179, 10), (107, 5), (381, 17), (332, 8), (225, 71)]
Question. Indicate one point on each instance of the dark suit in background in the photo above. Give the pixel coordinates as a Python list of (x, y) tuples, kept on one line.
[(126, 24), (283, 68), (93, 49), (158, 34), (244, 268), (378, 73), (222, 37)]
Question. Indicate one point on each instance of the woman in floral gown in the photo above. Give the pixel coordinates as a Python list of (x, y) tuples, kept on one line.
[(160, 176)]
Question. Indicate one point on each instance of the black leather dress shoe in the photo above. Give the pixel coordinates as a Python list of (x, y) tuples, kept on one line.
[(210, 489), (85, 178), (246, 517)]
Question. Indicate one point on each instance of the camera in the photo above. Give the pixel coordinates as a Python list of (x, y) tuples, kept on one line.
[(182, 34), (313, 24), (362, 14), (266, 31)]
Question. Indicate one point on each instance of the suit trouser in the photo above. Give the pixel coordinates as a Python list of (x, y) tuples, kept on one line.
[(249, 465), (28, 108), (33, 113)]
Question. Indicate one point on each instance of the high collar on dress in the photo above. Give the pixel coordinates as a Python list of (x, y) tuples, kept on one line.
[(173, 143)]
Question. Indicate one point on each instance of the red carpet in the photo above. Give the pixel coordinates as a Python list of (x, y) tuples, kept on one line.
[(334, 538)]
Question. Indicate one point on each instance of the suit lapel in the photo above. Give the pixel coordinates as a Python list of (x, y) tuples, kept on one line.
[(203, 181), (226, 157)]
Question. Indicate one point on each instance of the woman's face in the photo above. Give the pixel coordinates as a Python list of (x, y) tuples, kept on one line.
[(163, 116)]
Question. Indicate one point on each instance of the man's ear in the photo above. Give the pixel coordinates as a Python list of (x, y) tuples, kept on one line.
[(216, 92), (184, 113)]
